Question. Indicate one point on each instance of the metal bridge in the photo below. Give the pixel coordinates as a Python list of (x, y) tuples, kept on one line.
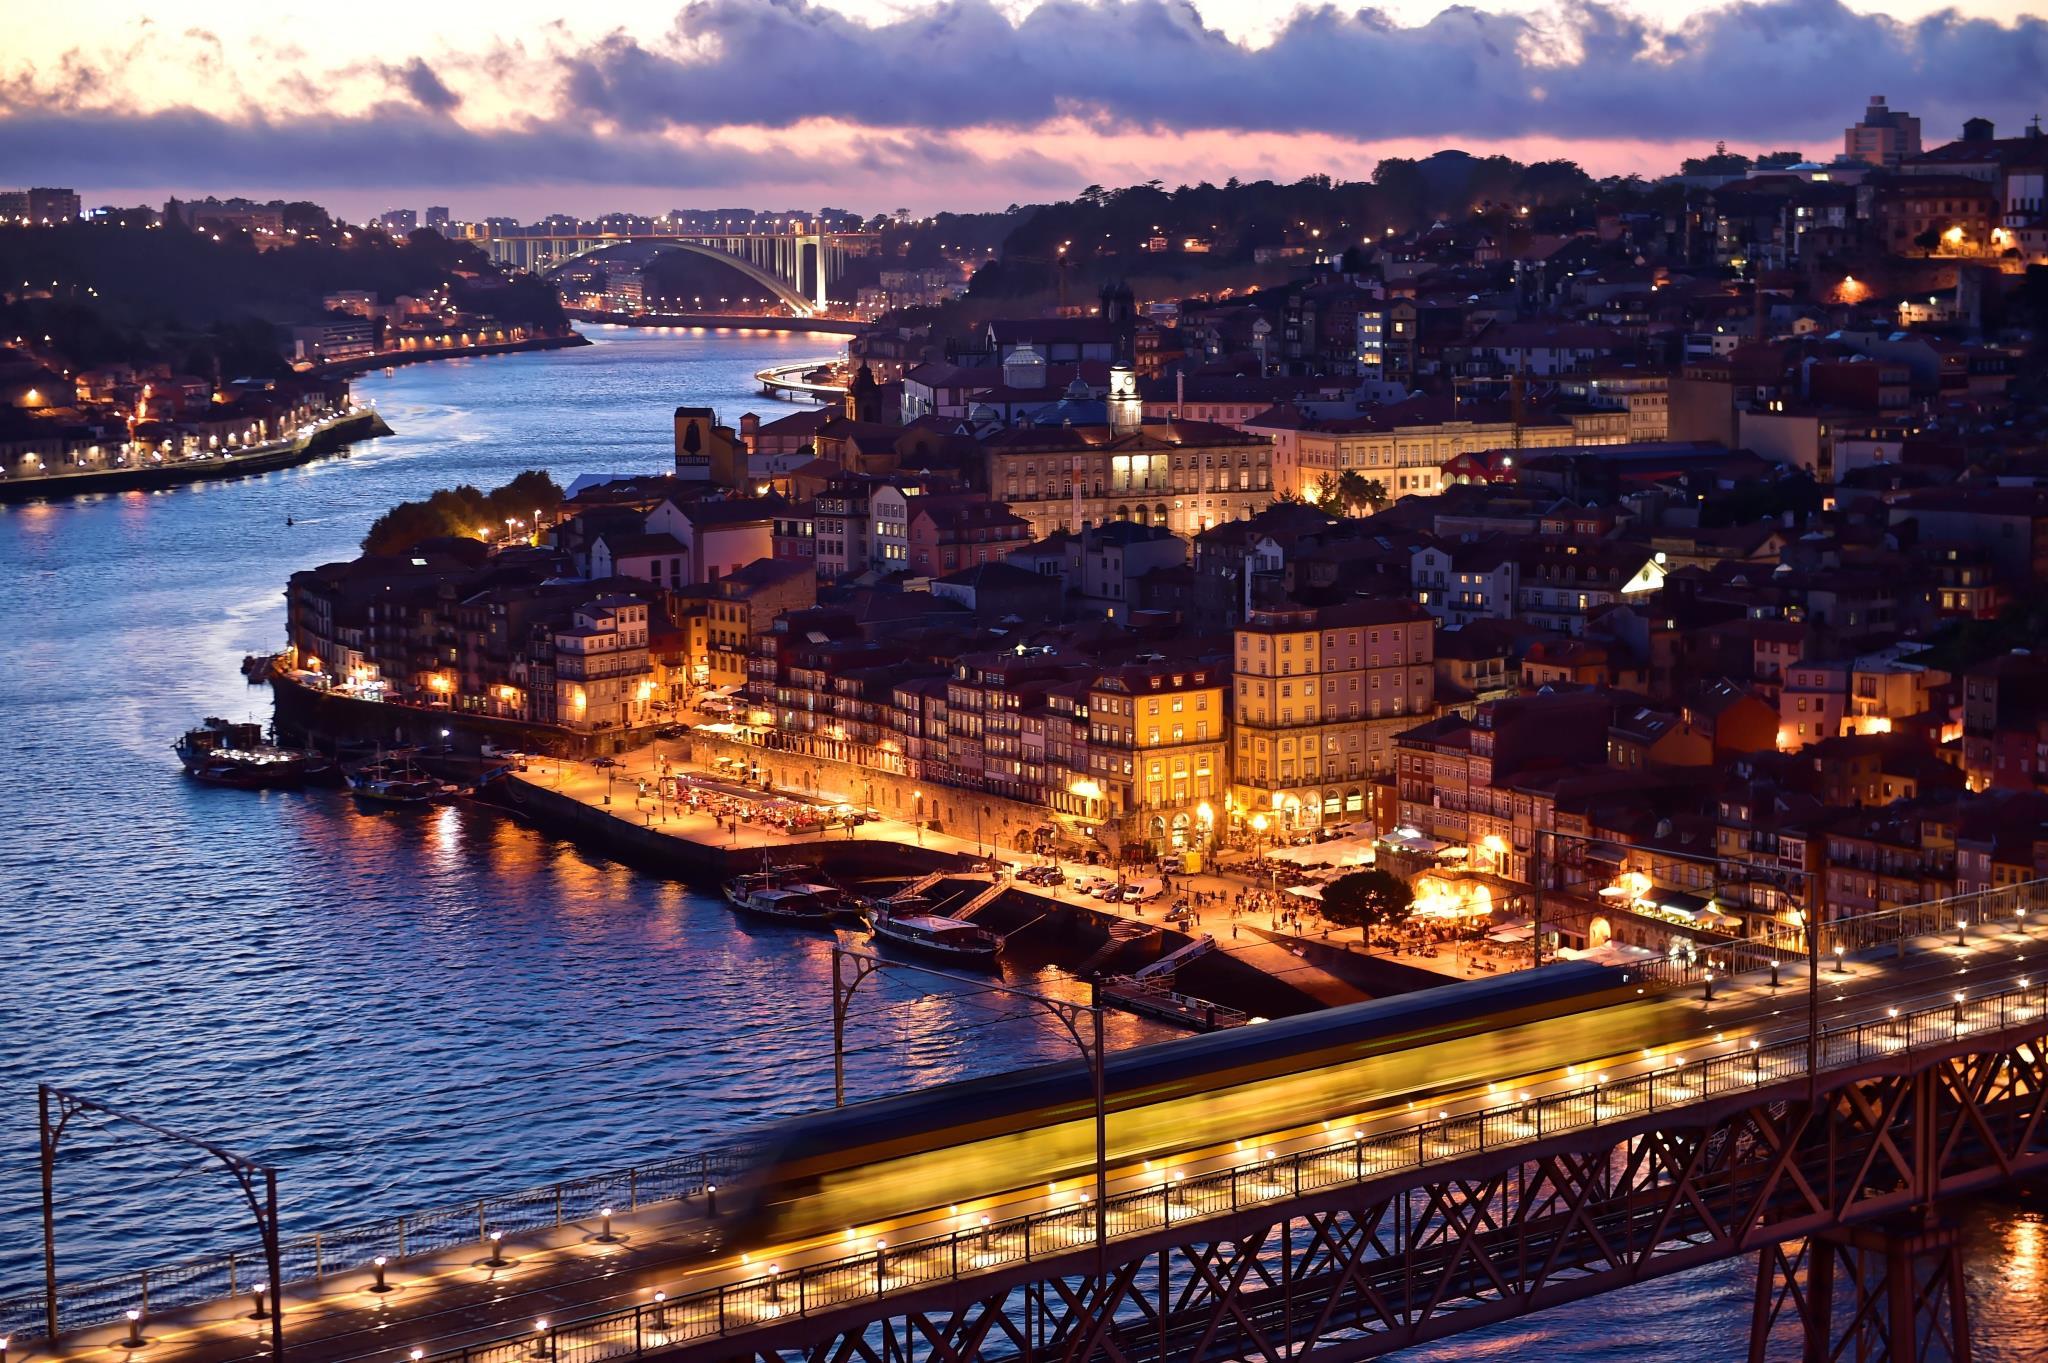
[(797, 265), (1826, 1152)]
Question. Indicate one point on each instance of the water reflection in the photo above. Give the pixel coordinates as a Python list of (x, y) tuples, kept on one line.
[(399, 1010)]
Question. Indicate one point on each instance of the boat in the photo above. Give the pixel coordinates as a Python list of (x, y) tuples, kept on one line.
[(396, 781), (953, 939), (777, 894), (222, 753)]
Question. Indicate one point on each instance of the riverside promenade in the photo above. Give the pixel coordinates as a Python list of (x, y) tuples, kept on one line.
[(627, 797), (328, 435)]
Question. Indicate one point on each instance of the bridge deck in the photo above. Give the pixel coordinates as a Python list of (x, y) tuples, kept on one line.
[(457, 1301)]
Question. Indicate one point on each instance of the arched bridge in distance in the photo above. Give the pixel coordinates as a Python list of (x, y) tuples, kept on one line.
[(1816, 1115), (798, 266)]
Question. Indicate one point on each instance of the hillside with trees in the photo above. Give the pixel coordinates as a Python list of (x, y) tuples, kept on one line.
[(130, 288)]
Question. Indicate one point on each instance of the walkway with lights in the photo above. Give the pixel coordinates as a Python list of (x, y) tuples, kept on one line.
[(583, 1286)]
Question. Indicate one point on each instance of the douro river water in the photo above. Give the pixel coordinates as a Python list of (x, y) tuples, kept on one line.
[(400, 1011)]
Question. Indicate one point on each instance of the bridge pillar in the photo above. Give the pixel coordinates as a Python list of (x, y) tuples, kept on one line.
[(1886, 1294)]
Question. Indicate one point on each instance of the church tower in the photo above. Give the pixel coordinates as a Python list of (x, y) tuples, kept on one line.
[(1126, 408), (864, 396)]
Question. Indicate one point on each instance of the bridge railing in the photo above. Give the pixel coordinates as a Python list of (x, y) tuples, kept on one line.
[(2001, 905), (313, 1256), (1261, 1179)]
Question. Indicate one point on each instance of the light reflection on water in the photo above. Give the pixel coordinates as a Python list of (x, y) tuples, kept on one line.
[(402, 1010)]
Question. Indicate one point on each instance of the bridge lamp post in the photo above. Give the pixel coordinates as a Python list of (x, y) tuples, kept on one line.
[(850, 967)]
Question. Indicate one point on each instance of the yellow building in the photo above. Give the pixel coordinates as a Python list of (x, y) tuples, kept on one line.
[(1158, 750), (603, 678), (1404, 446), (1319, 695), (1184, 475)]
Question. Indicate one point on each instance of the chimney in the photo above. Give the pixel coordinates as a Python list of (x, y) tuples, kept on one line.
[(1180, 392)]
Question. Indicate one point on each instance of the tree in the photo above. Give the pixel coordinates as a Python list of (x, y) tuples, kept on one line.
[(1367, 899), (463, 513), (1722, 162), (1356, 492)]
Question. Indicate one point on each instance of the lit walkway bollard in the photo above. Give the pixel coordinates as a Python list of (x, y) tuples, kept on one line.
[(659, 1318), (711, 1199), (604, 1234), (542, 1346), (1774, 974), (1962, 925), (380, 1285), (497, 1259), (259, 1295), (134, 1339)]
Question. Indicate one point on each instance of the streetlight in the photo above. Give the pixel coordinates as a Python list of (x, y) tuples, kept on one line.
[(850, 967), (917, 809)]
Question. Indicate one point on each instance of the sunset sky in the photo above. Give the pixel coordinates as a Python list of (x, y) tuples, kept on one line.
[(527, 106)]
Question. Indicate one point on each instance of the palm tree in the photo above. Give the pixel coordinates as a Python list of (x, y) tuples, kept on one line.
[(1356, 492)]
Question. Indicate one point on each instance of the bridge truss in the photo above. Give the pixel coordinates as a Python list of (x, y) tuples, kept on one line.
[(1375, 1243)]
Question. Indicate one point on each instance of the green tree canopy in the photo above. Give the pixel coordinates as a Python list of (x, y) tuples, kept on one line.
[(463, 513), (1367, 899)]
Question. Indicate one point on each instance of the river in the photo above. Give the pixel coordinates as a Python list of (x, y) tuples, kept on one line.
[(401, 1011)]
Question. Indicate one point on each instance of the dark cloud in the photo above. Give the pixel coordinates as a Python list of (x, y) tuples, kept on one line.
[(623, 112), (417, 79), (1588, 69), (398, 146), (389, 146)]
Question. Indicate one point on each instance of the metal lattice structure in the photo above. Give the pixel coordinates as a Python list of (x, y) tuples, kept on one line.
[(1376, 1244)]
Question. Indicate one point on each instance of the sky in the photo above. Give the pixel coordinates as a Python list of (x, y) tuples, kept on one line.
[(524, 107)]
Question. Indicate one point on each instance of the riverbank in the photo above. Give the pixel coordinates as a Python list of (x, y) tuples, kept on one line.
[(829, 326), (330, 436), (618, 811), (605, 811), (391, 359)]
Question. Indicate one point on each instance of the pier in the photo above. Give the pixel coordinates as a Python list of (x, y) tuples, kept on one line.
[(787, 381)]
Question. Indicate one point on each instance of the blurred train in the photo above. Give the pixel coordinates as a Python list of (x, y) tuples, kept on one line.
[(824, 1173)]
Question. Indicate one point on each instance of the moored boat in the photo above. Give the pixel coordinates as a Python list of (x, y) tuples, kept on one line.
[(777, 895), (953, 939), (393, 781), (223, 753)]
